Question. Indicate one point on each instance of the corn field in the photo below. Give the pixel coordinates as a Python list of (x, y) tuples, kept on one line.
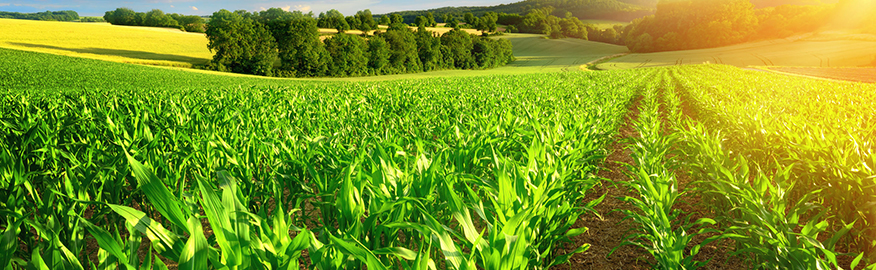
[(448, 173), (474, 173)]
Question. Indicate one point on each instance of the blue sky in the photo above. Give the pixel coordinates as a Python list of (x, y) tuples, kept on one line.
[(204, 7)]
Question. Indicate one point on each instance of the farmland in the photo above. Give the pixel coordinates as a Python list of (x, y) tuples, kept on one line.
[(126, 44), (813, 52), (866, 75), (377, 169), (490, 172)]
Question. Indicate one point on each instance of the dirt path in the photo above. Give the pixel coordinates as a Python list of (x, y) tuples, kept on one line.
[(607, 233)]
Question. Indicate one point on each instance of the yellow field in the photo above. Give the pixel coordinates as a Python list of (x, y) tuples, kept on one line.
[(815, 51), (604, 24), (127, 44)]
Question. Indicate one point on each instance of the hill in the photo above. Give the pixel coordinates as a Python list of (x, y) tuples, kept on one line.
[(774, 3), (815, 51), (616, 10)]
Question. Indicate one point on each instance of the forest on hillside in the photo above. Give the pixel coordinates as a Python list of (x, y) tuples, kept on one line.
[(691, 24), (585, 9), (63, 15)]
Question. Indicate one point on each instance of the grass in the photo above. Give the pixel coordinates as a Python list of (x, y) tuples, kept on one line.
[(781, 52)]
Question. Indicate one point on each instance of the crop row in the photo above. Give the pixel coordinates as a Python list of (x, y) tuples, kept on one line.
[(483, 172), (784, 163)]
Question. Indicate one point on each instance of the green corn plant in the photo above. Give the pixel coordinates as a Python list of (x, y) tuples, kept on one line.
[(766, 222), (821, 128), (661, 232), (285, 164), (228, 219)]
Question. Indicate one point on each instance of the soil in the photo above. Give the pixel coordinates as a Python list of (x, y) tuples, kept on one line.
[(608, 232)]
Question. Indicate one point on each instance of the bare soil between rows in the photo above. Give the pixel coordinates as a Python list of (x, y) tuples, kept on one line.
[(608, 232)]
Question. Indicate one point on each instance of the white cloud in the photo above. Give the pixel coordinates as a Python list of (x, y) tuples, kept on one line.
[(303, 8), (194, 8), (171, 6), (4, 4)]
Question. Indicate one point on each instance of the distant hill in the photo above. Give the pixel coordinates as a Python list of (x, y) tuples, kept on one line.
[(775, 3), (617, 10), (757, 3)]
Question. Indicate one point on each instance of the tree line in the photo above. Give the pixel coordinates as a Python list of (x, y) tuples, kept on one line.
[(333, 19), (155, 18), (588, 9), (694, 24), (542, 21), (63, 15), (252, 43)]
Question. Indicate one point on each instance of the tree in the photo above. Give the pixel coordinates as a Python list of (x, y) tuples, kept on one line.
[(157, 18), (403, 50), (306, 55), (421, 21), (573, 27), (487, 23), (379, 54), (241, 44), (429, 50), (384, 20), (190, 23), (333, 19), (695, 24), (483, 53), (450, 21), (551, 27), (430, 20), (120, 16), (396, 19), (366, 20), (459, 45), (470, 19), (349, 55), (354, 23)]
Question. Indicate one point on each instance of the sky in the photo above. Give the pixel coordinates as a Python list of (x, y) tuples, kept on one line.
[(205, 7)]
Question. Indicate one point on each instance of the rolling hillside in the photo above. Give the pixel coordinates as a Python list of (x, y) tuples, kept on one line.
[(616, 10), (812, 51)]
